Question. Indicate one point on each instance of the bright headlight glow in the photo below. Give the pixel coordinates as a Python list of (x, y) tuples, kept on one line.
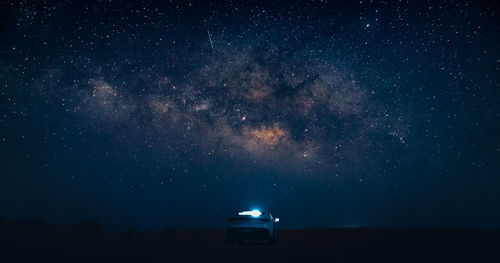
[(253, 213)]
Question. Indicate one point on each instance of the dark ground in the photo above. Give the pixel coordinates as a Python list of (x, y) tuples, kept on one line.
[(34, 240)]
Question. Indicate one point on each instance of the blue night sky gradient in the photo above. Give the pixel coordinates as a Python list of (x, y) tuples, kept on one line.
[(178, 113)]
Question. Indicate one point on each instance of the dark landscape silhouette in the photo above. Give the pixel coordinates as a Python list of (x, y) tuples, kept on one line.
[(35, 240)]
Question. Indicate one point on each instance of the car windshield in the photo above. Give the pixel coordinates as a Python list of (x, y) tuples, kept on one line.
[(243, 219)]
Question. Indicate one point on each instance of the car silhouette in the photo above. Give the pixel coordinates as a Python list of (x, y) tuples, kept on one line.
[(252, 225)]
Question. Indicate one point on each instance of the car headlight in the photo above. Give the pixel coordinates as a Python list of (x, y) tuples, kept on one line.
[(253, 213)]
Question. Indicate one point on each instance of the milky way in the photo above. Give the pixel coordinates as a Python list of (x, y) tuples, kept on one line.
[(251, 104)]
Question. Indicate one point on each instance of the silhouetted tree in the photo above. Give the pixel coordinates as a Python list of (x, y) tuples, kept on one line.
[(130, 231)]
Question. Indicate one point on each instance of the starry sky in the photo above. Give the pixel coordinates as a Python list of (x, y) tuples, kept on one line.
[(154, 114)]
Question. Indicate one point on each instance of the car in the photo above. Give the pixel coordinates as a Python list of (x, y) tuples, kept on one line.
[(252, 225)]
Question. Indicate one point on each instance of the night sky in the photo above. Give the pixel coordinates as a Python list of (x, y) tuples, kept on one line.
[(176, 114)]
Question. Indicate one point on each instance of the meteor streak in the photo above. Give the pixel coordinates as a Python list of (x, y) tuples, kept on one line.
[(211, 42)]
